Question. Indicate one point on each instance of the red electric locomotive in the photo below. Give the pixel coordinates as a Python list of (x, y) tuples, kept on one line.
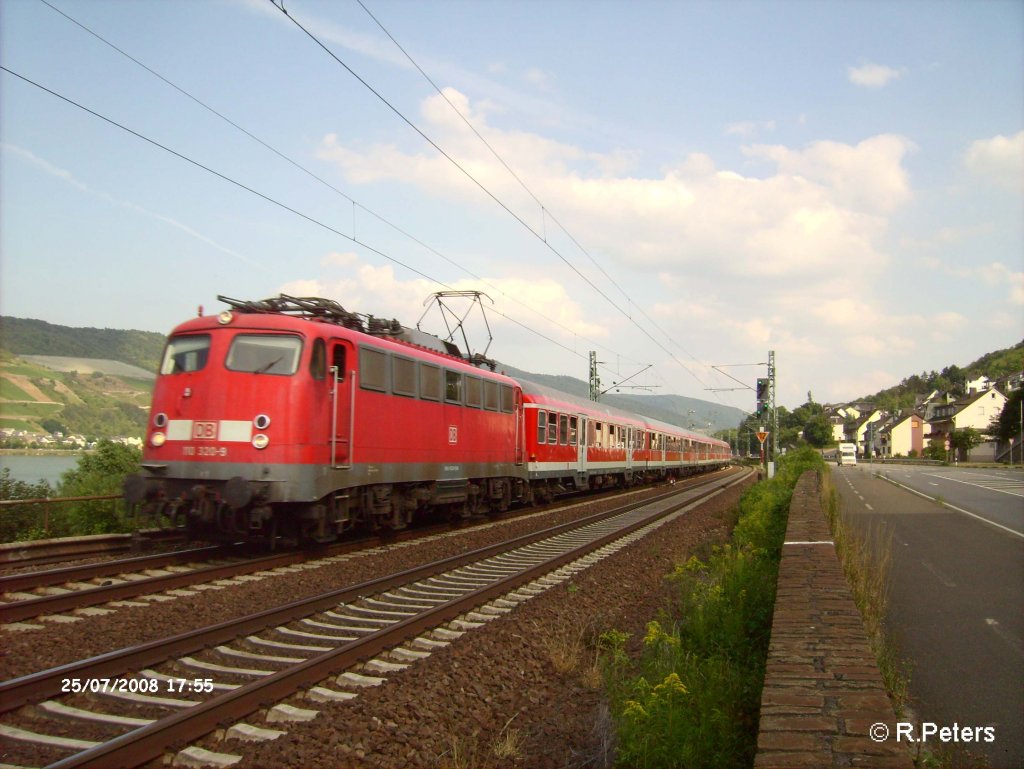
[(293, 418)]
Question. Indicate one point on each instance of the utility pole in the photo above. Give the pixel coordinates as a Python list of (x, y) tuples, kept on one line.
[(774, 412), (595, 380)]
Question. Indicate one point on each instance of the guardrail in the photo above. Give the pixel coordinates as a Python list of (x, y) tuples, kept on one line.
[(36, 519)]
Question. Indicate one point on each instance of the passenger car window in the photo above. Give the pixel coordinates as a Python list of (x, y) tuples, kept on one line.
[(185, 353), (264, 354)]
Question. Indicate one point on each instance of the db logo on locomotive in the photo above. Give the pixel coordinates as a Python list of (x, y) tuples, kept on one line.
[(204, 431)]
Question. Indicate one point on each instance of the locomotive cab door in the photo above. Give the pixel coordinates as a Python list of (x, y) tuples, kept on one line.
[(341, 375)]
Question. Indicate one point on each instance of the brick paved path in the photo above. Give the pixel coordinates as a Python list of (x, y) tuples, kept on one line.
[(822, 690)]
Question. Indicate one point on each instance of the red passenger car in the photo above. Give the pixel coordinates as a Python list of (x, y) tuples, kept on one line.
[(574, 443)]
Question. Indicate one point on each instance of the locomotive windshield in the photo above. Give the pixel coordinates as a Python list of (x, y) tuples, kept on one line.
[(264, 354), (185, 353)]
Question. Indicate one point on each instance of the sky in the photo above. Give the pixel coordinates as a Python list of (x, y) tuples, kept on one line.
[(681, 186)]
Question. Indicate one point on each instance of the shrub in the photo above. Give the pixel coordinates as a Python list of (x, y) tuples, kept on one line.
[(692, 699)]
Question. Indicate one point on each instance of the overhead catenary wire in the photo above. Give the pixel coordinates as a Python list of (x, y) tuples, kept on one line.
[(540, 236), (268, 199), (356, 205), (279, 5), (546, 212)]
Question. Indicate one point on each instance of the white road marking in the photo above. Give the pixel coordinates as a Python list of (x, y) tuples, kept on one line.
[(938, 574), (954, 507), (1006, 635), (1016, 488)]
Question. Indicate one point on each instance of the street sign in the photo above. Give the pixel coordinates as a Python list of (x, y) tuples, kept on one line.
[(762, 437)]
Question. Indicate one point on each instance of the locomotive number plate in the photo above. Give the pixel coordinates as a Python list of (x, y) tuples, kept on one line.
[(453, 434), (204, 431)]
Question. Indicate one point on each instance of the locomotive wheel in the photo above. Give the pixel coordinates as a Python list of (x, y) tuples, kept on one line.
[(457, 512)]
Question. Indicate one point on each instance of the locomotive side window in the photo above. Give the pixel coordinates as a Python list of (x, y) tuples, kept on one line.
[(552, 427), (338, 360), (474, 395), (507, 399), (542, 426), (491, 396), (185, 353), (318, 360), (373, 369), (572, 430), (563, 429), (264, 354), (430, 382), (452, 386), (404, 372)]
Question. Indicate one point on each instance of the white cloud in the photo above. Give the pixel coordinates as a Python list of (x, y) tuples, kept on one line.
[(540, 303), (820, 205), (999, 160), (873, 75), (748, 128), (539, 79), (868, 176), (997, 274)]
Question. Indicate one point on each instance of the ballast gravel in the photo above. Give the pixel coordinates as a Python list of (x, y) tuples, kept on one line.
[(520, 691), (504, 695)]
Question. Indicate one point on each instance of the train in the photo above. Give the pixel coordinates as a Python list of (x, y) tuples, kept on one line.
[(293, 419)]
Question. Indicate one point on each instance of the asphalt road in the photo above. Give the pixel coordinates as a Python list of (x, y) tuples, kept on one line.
[(956, 596)]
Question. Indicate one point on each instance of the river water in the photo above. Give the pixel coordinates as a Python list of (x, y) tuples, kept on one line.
[(35, 468)]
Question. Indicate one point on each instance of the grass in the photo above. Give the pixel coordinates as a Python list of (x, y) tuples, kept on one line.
[(692, 697), (866, 558)]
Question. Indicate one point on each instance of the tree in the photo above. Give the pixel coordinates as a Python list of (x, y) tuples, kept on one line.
[(1008, 424), (818, 431), (53, 426), (98, 473), (962, 441), (936, 449), (21, 522)]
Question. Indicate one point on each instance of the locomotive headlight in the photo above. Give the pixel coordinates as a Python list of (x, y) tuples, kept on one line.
[(225, 317), (160, 420), (157, 439), (261, 422), (260, 441)]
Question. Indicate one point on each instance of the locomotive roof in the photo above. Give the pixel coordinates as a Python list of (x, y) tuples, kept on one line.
[(399, 338), (610, 412)]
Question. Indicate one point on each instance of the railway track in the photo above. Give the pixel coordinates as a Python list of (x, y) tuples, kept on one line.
[(70, 589), (327, 645)]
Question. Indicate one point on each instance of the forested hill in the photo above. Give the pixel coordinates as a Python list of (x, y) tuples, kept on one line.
[(23, 336), (952, 378), (674, 409)]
